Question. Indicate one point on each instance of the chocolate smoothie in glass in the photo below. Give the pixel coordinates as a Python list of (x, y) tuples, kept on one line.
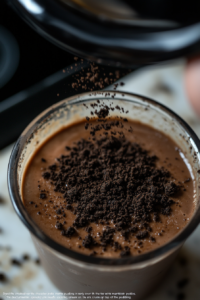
[(110, 196), (109, 188)]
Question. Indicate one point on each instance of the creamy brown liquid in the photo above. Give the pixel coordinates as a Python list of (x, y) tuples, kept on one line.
[(155, 142)]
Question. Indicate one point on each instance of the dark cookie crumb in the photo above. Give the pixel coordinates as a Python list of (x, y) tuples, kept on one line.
[(37, 261), (43, 196), (117, 246), (69, 232), (3, 278), (88, 241), (59, 225), (142, 234), (69, 207), (88, 229), (25, 257), (53, 167), (102, 113), (125, 252), (171, 188), (93, 253), (15, 262), (153, 239), (46, 175), (2, 201)]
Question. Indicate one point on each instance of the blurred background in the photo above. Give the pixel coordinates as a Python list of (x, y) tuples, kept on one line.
[(34, 74)]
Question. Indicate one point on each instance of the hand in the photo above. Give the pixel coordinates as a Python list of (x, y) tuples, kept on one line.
[(192, 82)]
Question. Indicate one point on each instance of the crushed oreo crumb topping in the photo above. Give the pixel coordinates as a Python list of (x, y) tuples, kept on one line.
[(111, 179)]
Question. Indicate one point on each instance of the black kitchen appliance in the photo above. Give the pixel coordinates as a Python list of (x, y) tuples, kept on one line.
[(112, 33), (119, 32), (34, 74)]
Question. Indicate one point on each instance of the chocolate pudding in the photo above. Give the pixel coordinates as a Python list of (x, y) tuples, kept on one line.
[(109, 187)]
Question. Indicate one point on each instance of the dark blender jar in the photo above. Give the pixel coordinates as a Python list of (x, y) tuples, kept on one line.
[(116, 32)]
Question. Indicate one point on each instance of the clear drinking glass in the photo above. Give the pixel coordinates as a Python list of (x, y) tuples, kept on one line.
[(74, 272)]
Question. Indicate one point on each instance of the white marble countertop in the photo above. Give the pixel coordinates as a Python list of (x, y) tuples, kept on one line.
[(163, 83)]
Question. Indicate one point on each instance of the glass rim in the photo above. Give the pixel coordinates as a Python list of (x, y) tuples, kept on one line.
[(19, 208)]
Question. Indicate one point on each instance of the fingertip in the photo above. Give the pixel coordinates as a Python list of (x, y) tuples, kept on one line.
[(192, 82)]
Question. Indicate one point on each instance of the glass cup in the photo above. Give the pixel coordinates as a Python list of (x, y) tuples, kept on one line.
[(73, 272)]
